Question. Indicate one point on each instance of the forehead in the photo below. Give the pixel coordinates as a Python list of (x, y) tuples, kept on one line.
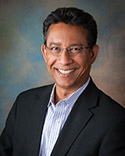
[(66, 34)]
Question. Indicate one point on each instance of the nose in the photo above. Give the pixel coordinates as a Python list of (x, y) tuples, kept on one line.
[(65, 58)]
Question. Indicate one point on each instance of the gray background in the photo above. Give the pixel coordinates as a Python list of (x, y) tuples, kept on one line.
[(21, 62)]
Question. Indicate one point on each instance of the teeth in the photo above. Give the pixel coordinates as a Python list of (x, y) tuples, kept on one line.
[(65, 71)]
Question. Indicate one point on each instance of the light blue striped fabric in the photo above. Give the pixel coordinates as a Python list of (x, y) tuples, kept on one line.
[(55, 119)]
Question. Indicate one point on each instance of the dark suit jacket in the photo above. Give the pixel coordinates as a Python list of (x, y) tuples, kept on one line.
[(95, 126)]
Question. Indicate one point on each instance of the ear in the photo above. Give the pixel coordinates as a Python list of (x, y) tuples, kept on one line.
[(94, 53), (44, 52)]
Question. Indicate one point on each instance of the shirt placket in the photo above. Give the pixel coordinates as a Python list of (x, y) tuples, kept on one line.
[(56, 125)]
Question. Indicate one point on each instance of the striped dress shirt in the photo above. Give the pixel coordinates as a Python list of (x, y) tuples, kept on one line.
[(55, 119)]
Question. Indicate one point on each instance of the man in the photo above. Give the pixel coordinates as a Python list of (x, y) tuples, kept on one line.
[(71, 117)]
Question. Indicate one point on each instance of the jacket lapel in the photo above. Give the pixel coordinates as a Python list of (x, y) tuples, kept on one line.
[(37, 111), (77, 120)]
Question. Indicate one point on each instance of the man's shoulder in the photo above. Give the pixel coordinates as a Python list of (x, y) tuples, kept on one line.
[(109, 108), (105, 103), (40, 91)]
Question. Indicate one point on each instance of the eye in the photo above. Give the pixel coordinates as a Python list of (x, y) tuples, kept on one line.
[(55, 48), (75, 49)]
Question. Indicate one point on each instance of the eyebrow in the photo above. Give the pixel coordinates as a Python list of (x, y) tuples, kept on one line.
[(76, 44), (59, 44), (55, 43)]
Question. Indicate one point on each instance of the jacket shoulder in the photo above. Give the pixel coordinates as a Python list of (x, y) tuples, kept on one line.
[(38, 91), (105, 105), (110, 109)]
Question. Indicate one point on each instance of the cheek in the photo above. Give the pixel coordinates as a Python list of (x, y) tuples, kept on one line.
[(84, 63), (50, 61)]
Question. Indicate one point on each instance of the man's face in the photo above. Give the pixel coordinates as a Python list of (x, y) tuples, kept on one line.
[(68, 71)]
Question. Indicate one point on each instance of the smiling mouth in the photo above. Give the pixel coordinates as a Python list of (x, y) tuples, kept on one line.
[(65, 71)]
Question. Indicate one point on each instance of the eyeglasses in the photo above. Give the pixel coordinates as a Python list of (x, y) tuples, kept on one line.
[(73, 51)]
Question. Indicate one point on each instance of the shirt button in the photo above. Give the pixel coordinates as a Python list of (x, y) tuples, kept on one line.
[(50, 149), (57, 121)]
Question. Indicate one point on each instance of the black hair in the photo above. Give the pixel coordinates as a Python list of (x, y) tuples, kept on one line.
[(72, 16)]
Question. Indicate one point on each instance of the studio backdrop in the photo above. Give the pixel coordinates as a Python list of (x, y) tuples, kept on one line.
[(21, 62)]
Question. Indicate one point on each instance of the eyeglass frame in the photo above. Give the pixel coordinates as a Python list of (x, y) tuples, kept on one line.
[(67, 49)]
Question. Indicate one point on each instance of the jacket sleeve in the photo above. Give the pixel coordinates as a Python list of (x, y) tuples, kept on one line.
[(6, 138), (113, 143)]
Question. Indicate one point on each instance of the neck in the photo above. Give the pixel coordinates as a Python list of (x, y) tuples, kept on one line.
[(62, 93)]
